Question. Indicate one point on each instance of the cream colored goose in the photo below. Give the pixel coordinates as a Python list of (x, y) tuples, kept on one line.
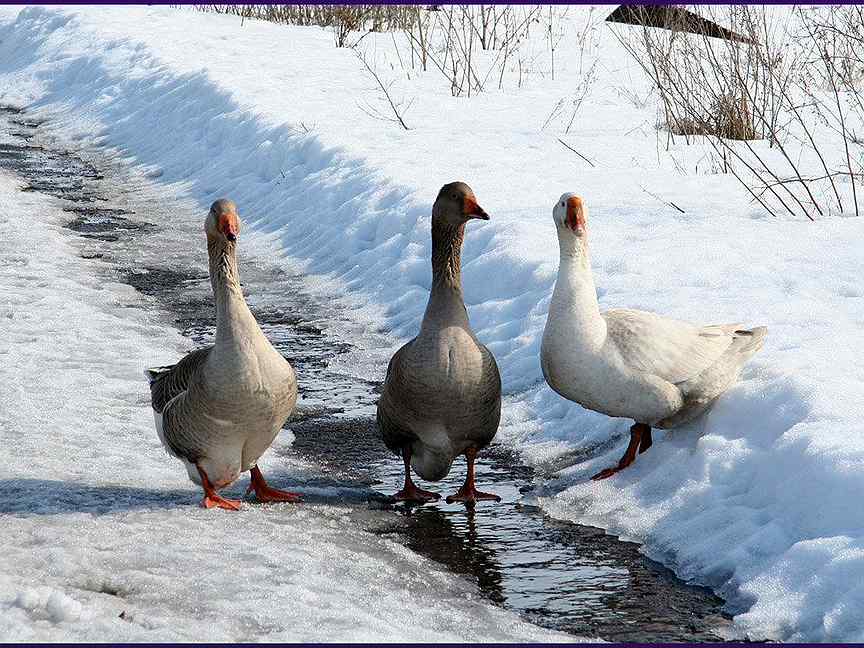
[(442, 394), (220, 407), (627, 363)]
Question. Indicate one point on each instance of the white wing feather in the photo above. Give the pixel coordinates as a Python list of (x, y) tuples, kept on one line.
[(671, 349)]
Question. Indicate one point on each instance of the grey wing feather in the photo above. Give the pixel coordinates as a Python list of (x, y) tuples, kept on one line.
[(170, 381), (177, 436), (168, 390), (395, 436), (490, 408)]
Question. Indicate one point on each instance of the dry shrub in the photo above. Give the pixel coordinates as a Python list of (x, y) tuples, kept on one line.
[(453, 36), (344, 20), (791, 89), (728, 117), (471, 45)]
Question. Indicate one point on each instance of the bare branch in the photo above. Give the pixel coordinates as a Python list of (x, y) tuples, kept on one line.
[(385, 90)]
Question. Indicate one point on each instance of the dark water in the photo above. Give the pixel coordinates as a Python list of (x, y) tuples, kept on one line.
[(559, 575)]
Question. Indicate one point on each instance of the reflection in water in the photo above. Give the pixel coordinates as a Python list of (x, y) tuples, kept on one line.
[(557, 574), (453, 540)]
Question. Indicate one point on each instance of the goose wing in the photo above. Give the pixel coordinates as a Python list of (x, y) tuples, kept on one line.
[(170, 381), (671, 349), (396, 434), (168, 390)]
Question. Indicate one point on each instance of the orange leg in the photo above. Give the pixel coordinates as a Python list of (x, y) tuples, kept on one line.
[(410, 492), (646, 441), (640, 439), (211, 497), (469, 493), (264, 493)]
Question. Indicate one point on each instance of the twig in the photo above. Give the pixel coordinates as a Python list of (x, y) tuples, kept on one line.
[(638, 184), (384, 90), (656, 197), (570, 148)]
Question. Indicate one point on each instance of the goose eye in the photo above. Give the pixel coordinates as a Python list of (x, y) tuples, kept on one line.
[(562, 203)]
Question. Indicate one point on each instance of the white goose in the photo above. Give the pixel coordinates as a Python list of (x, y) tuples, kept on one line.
[(220, 407), (627, 363)]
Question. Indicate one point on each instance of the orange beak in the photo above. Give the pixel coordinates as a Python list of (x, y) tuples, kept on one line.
[(472, 210), (229, 225), (575, 214)]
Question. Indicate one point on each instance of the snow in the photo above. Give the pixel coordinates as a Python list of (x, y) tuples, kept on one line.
[(759, 499), (101, 535)]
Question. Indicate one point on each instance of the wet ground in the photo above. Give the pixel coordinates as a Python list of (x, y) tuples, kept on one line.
[(559, 575)]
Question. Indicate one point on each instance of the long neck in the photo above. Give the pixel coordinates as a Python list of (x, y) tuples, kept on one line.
[(445, 299), (447, 256), (233, 317), (575, 296)]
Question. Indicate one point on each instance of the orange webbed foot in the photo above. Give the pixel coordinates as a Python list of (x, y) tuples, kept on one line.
[(212, 499), (265, 493), (606, 473), (468, 493), (472, 495), (217, 501), (410, 493), (268, 495), (640, 439)]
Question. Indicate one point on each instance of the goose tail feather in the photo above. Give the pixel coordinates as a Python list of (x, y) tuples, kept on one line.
[(749, 341)]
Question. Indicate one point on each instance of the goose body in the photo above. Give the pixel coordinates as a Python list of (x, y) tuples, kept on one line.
[(220, 407), (442, 394), (659, 371)]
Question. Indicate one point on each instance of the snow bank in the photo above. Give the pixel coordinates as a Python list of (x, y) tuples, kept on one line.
[(758, 499)]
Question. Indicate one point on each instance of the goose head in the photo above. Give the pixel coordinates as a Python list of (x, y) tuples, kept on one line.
[(571, 216), (222, 222), (456, 205)]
